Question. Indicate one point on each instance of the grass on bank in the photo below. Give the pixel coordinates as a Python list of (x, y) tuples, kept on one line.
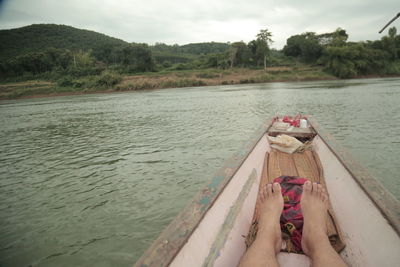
[(110, 81), (221, 77)]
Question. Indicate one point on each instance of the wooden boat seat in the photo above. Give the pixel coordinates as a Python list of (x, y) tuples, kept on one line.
[(307, 165)]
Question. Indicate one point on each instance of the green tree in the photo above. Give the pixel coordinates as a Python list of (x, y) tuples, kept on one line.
[(293, 46), (354, 59), (389, 43), (135, 58), (239, 54), (218, 60), (38, 62), (311, 50), (304, 46), (336, 38), (263, 42), (340, 61), (83, 59), (339, 37)]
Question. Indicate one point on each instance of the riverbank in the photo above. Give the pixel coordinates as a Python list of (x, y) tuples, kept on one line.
[(170, 79)]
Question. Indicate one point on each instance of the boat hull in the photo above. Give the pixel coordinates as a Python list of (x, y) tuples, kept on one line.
[(211, 231)]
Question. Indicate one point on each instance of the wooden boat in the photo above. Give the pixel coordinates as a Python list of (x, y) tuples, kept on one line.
[(212, 229)]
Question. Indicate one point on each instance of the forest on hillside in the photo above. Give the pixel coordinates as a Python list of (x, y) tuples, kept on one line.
[(65, 54)]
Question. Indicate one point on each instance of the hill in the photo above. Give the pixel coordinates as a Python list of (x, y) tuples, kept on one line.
[(38, 37)]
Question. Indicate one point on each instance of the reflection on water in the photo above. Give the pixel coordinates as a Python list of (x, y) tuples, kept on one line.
[(92, 180)]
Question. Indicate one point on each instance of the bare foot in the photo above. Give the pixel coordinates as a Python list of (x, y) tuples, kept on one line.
[(270, 213), (314, 205), (268, 240)]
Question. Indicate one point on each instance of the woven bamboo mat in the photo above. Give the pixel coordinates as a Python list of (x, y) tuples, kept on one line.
[(306, 165)]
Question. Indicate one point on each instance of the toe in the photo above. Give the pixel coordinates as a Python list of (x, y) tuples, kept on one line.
[(261, 195), (307, 186), (263, 192), (277, 188), (319, 190), (314, 188), (324, 195), (269, 189)]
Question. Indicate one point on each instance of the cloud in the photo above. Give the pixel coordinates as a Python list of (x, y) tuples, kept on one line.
[(187, 21)]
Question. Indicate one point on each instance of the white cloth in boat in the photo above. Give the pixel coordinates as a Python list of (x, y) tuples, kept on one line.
[(285, 143)]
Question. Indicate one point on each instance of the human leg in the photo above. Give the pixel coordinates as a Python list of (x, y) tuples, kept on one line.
[(268, 241), (315, 242)]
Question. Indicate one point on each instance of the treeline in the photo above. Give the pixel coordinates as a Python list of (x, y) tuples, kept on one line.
[(347, 59), (67, 67), (330, 50), (82, 58), (70, 56), (128, 58), (190, 56), (216, 55)]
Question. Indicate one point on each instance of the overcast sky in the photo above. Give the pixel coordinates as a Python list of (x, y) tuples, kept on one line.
[(190, 21)]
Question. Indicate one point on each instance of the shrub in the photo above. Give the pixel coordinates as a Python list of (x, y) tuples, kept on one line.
[(65, 81), (108, 79), (393, 69), (83, 71), (181, 66), (166, 64), (182, 83)]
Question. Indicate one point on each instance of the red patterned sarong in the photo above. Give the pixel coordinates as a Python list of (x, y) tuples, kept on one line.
[(292, 218)]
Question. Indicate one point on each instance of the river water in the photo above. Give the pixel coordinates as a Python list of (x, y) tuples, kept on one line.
[(92, 180)]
